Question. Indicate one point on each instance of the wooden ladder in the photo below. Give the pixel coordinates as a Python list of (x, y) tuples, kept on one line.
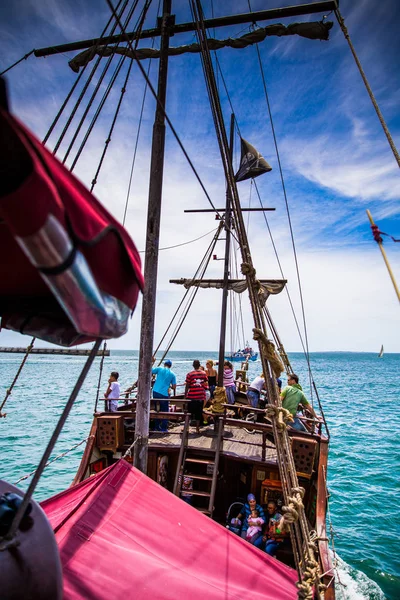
[(187, 458)]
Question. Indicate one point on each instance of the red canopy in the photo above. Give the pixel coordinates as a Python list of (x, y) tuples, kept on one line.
[(121, 535), (70, 272)]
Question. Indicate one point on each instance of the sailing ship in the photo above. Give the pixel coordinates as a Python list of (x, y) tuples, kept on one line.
[(66, 295), (380, 355), (243, 355)]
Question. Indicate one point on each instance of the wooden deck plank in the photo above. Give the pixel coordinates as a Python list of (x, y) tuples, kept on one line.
[(206, 442)]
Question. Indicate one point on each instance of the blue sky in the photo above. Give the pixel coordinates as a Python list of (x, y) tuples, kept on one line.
[(335, 158)]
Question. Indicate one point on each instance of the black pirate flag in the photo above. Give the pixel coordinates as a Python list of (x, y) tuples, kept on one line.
[(252, 164)]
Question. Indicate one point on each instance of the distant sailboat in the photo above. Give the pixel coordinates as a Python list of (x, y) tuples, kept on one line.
[(380, 355)]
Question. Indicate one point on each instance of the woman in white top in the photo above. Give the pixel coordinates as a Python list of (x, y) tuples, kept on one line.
[(254, 390)]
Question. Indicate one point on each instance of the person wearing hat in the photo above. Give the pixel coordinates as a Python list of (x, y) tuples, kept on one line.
[(165, 378), (245, 513)]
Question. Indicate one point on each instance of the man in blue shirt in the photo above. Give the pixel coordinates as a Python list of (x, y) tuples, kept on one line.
[(165, 378)]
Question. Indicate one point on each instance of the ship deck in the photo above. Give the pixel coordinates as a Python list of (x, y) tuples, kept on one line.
[(237, 442)]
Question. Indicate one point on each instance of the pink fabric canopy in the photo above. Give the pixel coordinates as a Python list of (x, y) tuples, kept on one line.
[(121, 535)]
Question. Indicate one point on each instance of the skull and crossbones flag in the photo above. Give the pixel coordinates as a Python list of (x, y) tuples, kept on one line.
[(252, 164)]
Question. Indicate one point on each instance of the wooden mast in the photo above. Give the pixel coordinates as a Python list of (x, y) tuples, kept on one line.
[(228, 223), (385, 258), (151, 257)]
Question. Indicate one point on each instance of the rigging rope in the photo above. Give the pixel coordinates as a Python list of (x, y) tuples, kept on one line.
[(58, 115), (9, 538), (138, 29), (287, 206), (294, 510), (137, 142), (198, 275), (9, 390), (183, 243), (82, 93), (139, 128), (168, 120), (368, 87), (97, 87), (54, 459)]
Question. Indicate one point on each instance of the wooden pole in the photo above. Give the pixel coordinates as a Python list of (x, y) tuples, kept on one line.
[(385, 258), (253, 17), (151, 257), (221, 356)]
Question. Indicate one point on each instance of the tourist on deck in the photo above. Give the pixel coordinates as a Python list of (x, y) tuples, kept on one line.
[(255, 523), (195, 391), (212, 376), (272, 514), (245, 513), (292, 395), (165, 379), (254, 390), (113, 392), (229, 382)]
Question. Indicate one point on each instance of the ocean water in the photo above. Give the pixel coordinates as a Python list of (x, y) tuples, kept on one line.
[(359, 393)]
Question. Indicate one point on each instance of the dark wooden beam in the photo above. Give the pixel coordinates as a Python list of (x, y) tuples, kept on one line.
[(222, 210), (262, 15), (151, 255)]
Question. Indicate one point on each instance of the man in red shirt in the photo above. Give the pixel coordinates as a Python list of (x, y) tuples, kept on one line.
[(195, 391)]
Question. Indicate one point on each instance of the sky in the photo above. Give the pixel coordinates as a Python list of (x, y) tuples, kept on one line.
[(335, 158)]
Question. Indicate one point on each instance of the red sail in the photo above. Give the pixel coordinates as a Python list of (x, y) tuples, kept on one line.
[(121, 535)]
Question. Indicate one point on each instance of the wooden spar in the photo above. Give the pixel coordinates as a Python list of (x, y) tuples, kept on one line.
[(385, 258), (151, 256), (64, 351), (228, 222), (262, 15)]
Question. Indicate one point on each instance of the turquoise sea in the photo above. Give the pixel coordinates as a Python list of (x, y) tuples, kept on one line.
[(359, 393)]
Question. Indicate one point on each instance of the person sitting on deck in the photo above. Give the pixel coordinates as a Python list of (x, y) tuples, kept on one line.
[(113, 392), (276, 536), (165, 378), (255, 523), (229, 382), (292, 395), (275, 516), (245, 513), (254, 390), (195, 391)]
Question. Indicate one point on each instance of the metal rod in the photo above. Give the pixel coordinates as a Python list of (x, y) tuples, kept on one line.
[(385, 258), (228, 224), (262, 15), (100, 374), (151, 256), (53, 440)]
